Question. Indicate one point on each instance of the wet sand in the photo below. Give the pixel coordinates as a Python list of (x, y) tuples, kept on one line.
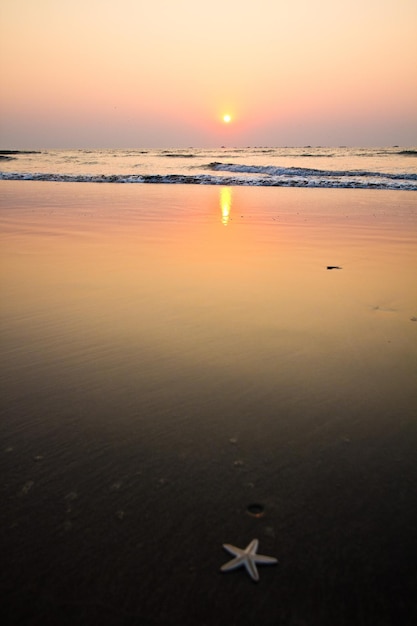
[(173, 355)]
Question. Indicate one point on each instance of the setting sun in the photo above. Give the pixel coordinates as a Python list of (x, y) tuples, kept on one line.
[(227, 118)]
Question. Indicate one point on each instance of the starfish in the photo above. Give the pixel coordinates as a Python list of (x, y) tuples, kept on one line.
[(248, 558)]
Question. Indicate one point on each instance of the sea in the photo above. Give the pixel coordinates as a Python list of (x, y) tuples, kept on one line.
[(392, 168)]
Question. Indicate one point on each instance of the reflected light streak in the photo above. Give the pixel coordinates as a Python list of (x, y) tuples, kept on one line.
[(225, 204)]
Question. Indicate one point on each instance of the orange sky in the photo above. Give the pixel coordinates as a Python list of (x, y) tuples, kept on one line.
[(134, 73)]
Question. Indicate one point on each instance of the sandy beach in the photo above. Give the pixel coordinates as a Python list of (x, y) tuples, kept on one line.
[(173, 355)]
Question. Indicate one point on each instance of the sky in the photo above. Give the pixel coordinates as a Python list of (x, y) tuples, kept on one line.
[(163, 73)]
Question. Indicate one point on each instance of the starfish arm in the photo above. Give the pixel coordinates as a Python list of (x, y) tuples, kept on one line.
[(233, 550), (260, 558), (251, 569), (233, 564), (252, 547)]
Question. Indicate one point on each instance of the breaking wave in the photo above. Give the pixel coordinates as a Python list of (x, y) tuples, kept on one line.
[(256, 176), (271, 170), (177, 155)]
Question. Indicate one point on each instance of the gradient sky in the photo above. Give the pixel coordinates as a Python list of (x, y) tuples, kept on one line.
[(161, 73)]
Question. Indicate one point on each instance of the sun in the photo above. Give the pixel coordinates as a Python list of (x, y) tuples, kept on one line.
[(227, 118)]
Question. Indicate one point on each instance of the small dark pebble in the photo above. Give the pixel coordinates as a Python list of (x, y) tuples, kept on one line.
[(333, 267), (256, 510)]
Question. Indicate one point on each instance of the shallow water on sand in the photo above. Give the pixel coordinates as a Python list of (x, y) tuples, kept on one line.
[(172, 355)]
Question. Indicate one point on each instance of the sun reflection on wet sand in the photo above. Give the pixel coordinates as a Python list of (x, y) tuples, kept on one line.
[(225, 204)]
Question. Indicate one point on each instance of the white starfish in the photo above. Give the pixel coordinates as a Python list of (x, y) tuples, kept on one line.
[(248, 558)]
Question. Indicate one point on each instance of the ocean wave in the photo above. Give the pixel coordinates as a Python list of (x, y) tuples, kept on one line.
[(298, 178), (317, 155), (3, 152), (177, 155), (271, 170)]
